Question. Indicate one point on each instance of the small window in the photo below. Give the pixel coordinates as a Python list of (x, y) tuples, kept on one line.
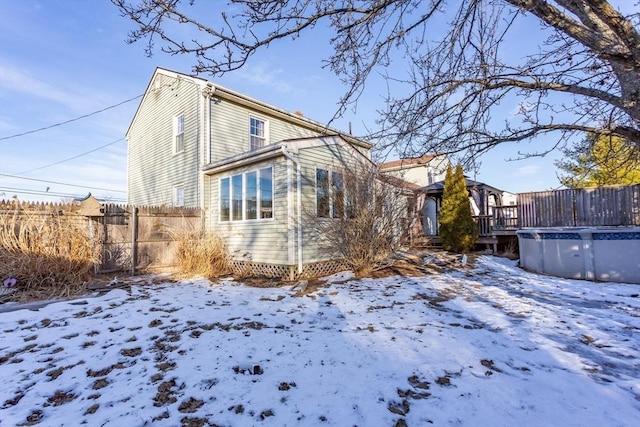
[(258, 133), (236, 197), (178, 195), (337, 195), (330, 194), (178, 134)]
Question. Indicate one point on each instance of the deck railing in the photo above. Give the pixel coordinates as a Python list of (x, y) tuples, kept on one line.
[(503, 218), (484, 223)]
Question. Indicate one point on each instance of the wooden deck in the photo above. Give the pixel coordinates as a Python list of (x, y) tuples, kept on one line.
[(493, 230), (595, 207)]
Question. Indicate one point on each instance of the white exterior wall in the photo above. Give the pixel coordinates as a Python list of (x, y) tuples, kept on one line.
[(419, 174)]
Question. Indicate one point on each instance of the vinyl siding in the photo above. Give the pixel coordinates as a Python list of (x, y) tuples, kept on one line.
[(263, 241), (419, 174), (333, 158), (230, 129), (267, 241), (153, 168)]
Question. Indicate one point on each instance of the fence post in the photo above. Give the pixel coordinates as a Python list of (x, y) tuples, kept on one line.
[(134, 240)]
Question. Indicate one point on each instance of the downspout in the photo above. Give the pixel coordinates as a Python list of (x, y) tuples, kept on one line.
[(205, 148), (295, 160)]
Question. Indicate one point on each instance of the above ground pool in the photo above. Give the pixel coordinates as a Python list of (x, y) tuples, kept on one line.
[(608, 254)]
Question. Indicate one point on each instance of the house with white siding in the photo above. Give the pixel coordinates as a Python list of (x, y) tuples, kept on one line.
[(421, 171), (255, 170)]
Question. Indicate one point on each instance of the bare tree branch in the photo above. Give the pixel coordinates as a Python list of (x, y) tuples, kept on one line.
[(463, 89)]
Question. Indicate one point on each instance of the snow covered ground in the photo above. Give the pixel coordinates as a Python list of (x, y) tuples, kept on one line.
[(494, 346)]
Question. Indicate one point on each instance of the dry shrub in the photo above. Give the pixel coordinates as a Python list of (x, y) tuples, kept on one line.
[(369, 226), (511, 249), (201, 253), (48, 253)]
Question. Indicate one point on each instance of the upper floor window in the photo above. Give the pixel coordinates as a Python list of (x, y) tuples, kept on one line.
[(178, 195), (247, 196), (258, 133), (178, 134)]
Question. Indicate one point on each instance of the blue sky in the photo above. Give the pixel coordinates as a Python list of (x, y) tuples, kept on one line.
[(60, 60)]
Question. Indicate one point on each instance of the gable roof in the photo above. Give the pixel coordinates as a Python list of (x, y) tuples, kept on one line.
[(217, 91), (398, 182), (407, 163)]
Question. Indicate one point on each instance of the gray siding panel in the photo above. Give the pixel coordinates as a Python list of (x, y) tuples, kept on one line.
[(153, 169), (230, 129), (332, 157), (262, 241)]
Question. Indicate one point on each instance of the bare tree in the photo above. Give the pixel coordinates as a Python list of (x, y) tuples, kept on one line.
[(584, 78)]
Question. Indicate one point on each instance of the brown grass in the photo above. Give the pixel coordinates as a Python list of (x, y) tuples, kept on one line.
[(201, 253), (48, 253)]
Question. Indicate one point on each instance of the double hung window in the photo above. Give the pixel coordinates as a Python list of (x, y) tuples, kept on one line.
[(257, 133), (178, 195), (178, 134)]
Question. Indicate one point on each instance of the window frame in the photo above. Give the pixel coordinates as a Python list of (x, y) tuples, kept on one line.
[(264, 138), (177, 194), (227, 193), (178, 132), (335, 209)]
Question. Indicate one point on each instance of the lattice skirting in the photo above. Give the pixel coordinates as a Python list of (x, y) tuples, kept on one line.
[(287, 272)]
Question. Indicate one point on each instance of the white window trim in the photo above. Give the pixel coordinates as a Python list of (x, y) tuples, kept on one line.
[(244, 199), (174, 196), (330, 172), (174, 147), (266, 131)]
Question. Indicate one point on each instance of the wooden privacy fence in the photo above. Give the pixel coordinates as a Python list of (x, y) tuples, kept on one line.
[(129, 237), (140, 237), (604, 206)]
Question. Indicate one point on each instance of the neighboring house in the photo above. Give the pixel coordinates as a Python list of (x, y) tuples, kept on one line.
[(497, 222), (421, 171), (256, 171), (417, 173)]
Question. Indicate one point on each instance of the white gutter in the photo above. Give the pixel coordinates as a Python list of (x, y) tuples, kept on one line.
[(243, 159), (295, 160)]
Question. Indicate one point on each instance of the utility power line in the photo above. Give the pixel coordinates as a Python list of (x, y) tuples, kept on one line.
[(71, 120), (46, 193), (62, 183), (71, 158)]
